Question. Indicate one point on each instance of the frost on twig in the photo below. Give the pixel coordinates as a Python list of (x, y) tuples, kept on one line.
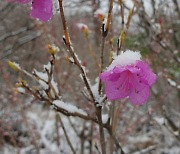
[(16, 67), (68, 107), (48, 90), (43, 80), (98, 97)]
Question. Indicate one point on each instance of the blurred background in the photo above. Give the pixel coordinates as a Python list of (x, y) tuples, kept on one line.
[(28, 126)]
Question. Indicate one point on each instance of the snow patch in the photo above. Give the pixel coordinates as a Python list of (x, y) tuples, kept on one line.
[(21, 90), (43, 84), (171, 82), (42, 75), (159, 120), (48, 66), (105, 118)]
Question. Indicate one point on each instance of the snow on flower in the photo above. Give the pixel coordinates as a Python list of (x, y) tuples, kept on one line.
[(125, 58), (41, 9), (128, 76)]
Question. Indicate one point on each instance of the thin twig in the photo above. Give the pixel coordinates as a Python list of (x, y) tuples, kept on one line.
[(102, 63), (90, 140), (73, 127), (124, 30), (67, 137), (105, 29), (120, 41), (74, 114), (82, 136), (73, 54), (101, 130), (116, 141)]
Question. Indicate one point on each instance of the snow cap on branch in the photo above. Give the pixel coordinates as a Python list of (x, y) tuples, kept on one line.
[(68, 107)]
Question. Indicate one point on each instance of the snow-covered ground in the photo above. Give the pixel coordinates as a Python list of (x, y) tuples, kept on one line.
[(152, 137)]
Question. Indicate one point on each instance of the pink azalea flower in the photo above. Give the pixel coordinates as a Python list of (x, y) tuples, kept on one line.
[(128, 76), (41, 9)]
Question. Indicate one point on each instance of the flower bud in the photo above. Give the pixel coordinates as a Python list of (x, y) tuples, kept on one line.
[(100, 15), (13, 65), (52, 49), (84, 28)]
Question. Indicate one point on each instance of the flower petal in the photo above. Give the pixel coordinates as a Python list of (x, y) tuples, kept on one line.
[(111, 75), (120, 88), (104, 76), (42, 9), (140, 92), (146, 73)]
